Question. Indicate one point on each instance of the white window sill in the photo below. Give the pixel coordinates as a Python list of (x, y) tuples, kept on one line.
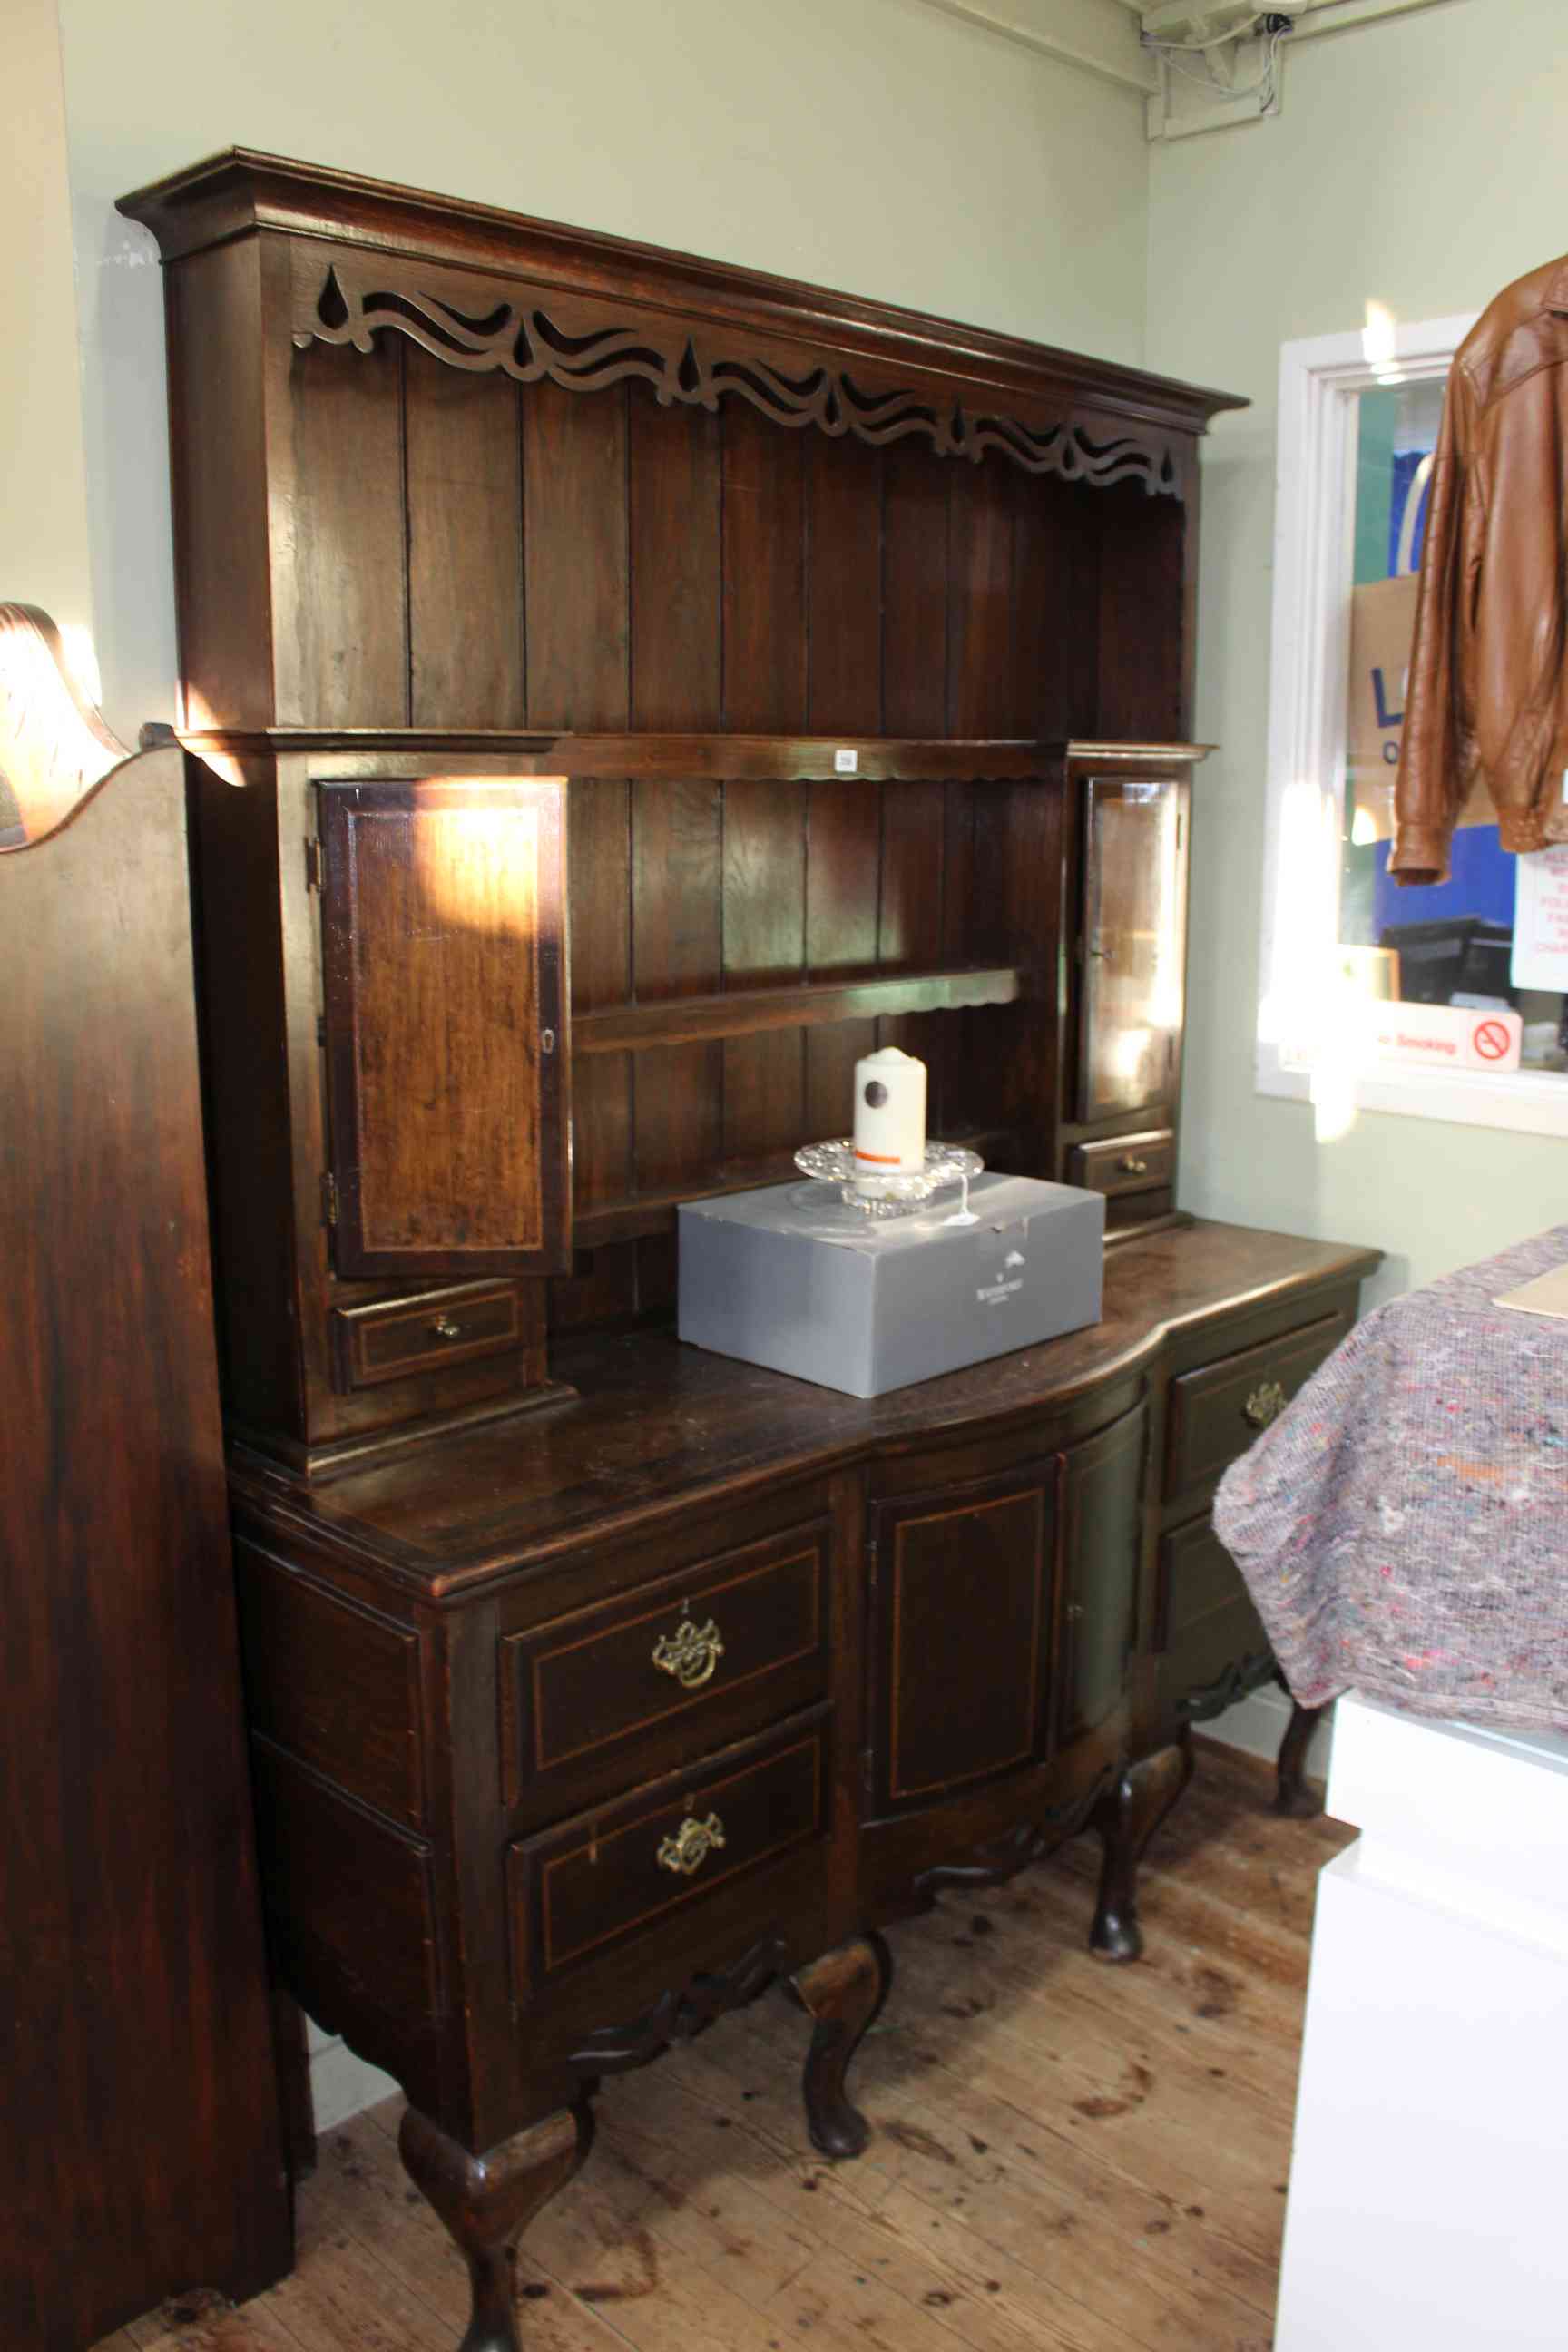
[(1531, 1102)]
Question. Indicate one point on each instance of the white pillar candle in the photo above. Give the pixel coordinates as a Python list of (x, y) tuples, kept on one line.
[(889, 1116)]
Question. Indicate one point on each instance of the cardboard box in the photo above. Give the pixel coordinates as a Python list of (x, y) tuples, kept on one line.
[(789, 1277), (1383, 629)]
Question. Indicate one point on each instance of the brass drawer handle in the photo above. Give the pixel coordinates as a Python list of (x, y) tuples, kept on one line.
[(1265, 1404), (689, 1654), (445, 1329), (1132, 1167), (690, 1846)]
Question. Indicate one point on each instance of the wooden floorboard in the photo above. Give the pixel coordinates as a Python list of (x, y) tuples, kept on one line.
[(1068, 2157)]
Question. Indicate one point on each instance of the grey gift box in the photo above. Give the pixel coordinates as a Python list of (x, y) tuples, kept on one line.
[(789, 1277)]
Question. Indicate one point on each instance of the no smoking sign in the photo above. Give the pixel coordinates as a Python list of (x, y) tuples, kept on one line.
[(1446, 1036)]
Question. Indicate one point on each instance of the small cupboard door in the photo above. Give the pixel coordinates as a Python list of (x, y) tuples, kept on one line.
[(1103, 1515), (444, 957), (965, 1582), (1134, 943)]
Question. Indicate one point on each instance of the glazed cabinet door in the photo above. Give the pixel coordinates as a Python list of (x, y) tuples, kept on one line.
[(1103, 1527), (965, 1585), (444, 954), (1134, 924)]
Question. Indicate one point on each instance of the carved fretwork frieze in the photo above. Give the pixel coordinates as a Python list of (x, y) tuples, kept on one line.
[(350, 301), (1246, 1675), (680, 2015), (1003, 1858)]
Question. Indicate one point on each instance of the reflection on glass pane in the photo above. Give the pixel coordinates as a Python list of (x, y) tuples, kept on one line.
[(1132, 1004), (1450, 943)]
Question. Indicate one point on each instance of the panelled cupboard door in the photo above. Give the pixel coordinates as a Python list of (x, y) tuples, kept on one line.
[(1134, 943), (965, 1582), (444, 955), (1103, 1537)]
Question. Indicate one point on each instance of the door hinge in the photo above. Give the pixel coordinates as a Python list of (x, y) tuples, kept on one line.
[(315, 870), (871, 1562), (868, 1771), (328, 1199)]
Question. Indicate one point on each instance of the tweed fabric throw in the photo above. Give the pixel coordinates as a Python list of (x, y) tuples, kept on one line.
[(1402, 1526)]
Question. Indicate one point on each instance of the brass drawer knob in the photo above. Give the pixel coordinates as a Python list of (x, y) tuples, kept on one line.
[(1265, 1404), (689, 1654), (1131, 1165), (691, 1844), (446, 1329)]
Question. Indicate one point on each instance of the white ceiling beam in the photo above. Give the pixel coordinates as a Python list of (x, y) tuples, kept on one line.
[(1099, 36), (1339, 15)]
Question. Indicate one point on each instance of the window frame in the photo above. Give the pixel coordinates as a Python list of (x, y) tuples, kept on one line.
[(1322, 378)]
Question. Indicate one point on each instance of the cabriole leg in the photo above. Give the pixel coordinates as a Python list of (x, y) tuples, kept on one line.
[(843, 1991), (1293, 1795), (1126, 1818), (487, 2201)]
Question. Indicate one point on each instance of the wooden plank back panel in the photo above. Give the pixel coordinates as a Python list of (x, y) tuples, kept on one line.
[(980, 595), (843, 860), (914, 592), (765, 940), (764, 687), (340, 579), (674, 488), (444, 915), (575, 557), (1055, 589), (677, 872), (844, 586), (765, 678), (464, 547), (1142, 544), (844, 820)]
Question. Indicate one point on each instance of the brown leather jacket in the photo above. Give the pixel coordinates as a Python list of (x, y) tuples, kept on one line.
[(1488, 697)]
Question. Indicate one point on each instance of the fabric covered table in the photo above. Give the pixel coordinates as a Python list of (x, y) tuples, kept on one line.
[(1403, 1527)]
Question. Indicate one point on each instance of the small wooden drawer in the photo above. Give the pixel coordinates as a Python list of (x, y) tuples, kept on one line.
[(605, 1874), (720, 1648), (1218, 1412), (391, 1338), (1128, 1163)]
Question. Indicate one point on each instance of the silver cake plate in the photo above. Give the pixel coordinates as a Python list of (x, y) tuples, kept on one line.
[(892, 1196)]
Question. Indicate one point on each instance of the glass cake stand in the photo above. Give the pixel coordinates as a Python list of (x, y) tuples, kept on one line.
[(893, 1196)]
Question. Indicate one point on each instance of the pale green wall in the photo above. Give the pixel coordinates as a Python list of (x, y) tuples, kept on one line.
[(43, 506), (877, 145), (1424, 162)]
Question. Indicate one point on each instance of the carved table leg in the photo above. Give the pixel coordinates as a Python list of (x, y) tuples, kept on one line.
[(1126, 1818), (843, 1991), (487, 2201), (1293, 1795)]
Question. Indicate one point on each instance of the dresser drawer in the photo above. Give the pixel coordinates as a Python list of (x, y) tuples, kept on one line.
[(1218, 1412), (720, 1648), (391, 1338), (1128, 1163), (605, 1874)]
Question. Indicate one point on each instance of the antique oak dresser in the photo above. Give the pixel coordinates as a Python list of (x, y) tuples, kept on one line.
[(617, 689)]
